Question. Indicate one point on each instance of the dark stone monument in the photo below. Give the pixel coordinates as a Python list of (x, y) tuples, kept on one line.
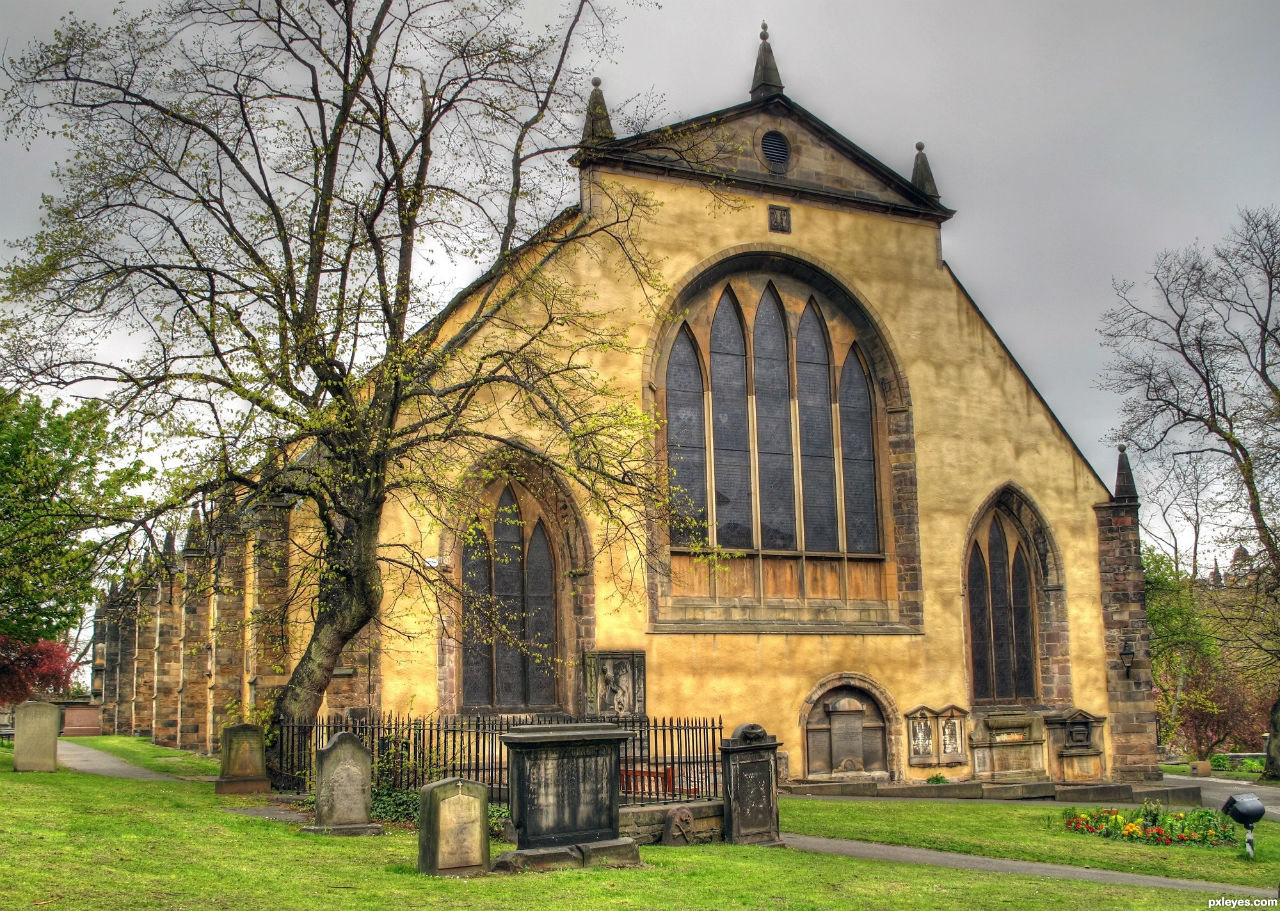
[(564, 781), (343, 788), (749, 763), (244, 761), (35, 737), (564, 784), (453, 828)]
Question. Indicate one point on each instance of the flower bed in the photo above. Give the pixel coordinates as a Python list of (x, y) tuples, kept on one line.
[(1152, 824)]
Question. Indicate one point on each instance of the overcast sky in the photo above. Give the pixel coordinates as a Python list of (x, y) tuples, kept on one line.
[(1075, 140)]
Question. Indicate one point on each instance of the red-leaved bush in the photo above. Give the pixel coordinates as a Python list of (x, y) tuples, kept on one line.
[(31, 667)]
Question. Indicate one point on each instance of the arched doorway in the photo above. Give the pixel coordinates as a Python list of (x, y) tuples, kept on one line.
[(850, 729)]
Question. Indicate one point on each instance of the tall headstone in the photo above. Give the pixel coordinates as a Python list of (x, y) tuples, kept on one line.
[(35, 737), (344, 791), (244, 761), (749, 763), (453, 828)]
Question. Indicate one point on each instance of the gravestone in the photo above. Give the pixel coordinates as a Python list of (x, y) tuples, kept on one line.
[(82, 721), (678, 828), (343, 788), (749, 763), (35, 737), (565, 804), (564, 781), (244, 761), (453, 828)]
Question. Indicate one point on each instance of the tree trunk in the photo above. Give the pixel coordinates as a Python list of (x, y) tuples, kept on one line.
[(1272, 771), (348, 597)]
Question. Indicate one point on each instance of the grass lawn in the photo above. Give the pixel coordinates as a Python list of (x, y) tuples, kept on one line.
[(72, 841), (142, 752), (1027, 831), (1184, 769)]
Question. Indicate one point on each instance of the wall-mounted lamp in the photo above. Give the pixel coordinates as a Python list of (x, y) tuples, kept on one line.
[(1126, 657)]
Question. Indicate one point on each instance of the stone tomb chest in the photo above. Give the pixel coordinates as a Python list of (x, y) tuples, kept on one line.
[(564, 781)]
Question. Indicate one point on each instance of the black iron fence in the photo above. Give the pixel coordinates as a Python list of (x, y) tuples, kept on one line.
[(665, 760)]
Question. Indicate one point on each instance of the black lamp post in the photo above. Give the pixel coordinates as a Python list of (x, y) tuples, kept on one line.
[(1245, 809)]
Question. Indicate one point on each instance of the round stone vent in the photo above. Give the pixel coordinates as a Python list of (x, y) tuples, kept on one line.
[(776, 151)]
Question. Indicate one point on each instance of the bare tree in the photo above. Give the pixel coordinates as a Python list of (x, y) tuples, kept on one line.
[(1198, 363), (265, 205)]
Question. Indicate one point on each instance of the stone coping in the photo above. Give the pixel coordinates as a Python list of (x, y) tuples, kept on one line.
[(559, 733), (1095, 792)]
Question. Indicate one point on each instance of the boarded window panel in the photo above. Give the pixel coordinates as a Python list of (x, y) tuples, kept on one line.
[(1023, 631), (730, 430), (773, 427), (540, 619), (508, 589), (477, 651), (817, 447), (979, 625), (686, 442), (862, 531), (1001, 613)]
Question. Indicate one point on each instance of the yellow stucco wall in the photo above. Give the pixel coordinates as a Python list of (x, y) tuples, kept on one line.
[(978, 426)]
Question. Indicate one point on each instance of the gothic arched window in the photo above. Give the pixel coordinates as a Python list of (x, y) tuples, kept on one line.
[(770, 448), (508, 613), (1001, 613)]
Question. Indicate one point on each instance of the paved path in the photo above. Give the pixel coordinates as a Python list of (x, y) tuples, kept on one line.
[(95, 762), (899, 854), (1215, 791)]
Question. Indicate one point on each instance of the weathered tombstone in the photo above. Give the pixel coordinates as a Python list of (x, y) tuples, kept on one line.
[(564, 783), (749, 762), (244, 761), (344, 788), (453, 828), (1200, 769), (35, 737), (678, 829)]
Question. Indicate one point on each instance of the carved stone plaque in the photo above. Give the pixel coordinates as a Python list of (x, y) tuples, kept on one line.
[(461, 831)]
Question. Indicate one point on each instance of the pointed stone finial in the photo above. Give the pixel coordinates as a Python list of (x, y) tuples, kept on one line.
[(922, 175), (169, 543), (766, 81), (195, 534), (1126, 489), (597, 129)]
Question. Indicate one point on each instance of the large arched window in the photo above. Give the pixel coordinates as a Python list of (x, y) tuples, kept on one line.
[(508, 612), (1000, 592), (770, 430)]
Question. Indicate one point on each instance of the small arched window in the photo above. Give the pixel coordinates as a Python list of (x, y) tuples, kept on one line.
[(1001, 613), (508, 613)]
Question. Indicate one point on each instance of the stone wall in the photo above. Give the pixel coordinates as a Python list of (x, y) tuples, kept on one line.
[(1132, 719)]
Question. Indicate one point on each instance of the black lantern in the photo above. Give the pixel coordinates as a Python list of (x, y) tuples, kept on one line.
[(1126, 657)]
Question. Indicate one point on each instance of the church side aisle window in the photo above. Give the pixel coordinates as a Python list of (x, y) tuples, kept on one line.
[(1001, 614), (770, 447), (508, 614)]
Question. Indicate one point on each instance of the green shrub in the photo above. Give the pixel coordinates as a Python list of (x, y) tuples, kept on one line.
[(1252, 765), (937, 779), (392, 805), (498, 817), (1219, 763)]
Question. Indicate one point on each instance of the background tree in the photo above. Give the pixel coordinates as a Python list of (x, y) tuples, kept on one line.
[(268, 202), (1197, 362)]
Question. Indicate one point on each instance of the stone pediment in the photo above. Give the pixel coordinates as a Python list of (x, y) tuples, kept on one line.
[(811, 160)]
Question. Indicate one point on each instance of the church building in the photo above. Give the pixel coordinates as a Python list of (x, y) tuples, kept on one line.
[(884, 547)]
